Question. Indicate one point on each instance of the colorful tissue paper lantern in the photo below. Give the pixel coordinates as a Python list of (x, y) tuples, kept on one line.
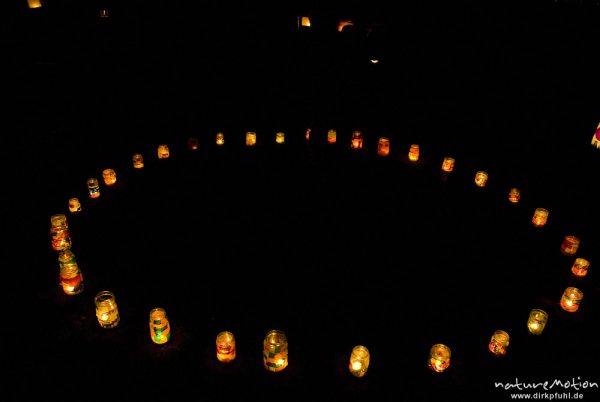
[(220, 139), (93, 187), (192, 144), (571, 299), (413, 153), (570, 245), (439, 357), (383, 147), (34, 3), (448, 164), (138, 161), (481, 178), (250, 138), (107, 311), (331, 136), (163, 151), (71, 278), (357, 140), (307, 134), (596, 138), (160, 330), (580, 267), (359, 361), (74, 205), (499, 343), (109, 176), (537, 321), (514, 195), (59, 232), (275, 351), (225, 347), (540, 217), (280, 138)]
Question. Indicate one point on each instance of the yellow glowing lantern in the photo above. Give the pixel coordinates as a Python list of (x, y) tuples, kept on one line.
[(71, 278), (160, 330), (109, 176), (514, 195), (571, 299), (138, 161), (596, 138), (192, 144), (93, 187), (383, 147), (448, 164), (104, 13), (343, 24), (220, 139), (280, 138), (331, 136), (107, 311), (481, 178), (374, 61), (439, 357), (540, 217), (413, 153), (357, 140), (59, 232), (225, 347), (74, 205), (580, 267), (275, 351), (307, 134), (163, 151), (34, 3), (499, 343), (250, 138), (569, 245), (537, 321), (359, 361), (304, 21)]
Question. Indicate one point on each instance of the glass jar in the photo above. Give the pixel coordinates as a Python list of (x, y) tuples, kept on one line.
[(439, 357), (109, 176), (514, 195), (225, 347), (93, 187), (448, 164), (220, 139), (540, 217), (163, 151), (280, 138), (570, 245), (71, 278), (359, 361), (74, 205), (481, 178), (413, 153), (107, 311), (580, 267), (383, 147), (537, 321), (357, 140), (138, 161), (59, 232), (571, 299), (499, 343), (331, 136), (160, 330), (250, 138), (275, 351)]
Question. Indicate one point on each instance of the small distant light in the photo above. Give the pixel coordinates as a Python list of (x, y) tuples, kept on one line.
[(305, 21), (343, 24), (374, 61), (34, 3), (104, 13)]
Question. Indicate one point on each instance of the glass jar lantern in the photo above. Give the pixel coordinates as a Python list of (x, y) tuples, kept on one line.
[(275, 351), (537, 321), (59, 232), (225, 347), (160, 330), (107, 311), (359, 361), (93, 187), (71, 278), (439, 357), (499, 343)]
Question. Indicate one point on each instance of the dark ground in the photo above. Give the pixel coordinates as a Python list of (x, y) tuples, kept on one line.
[(333, 246)]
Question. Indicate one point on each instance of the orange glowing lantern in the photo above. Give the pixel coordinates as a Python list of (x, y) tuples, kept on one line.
[(413, 153), (71, 279), (304, 21), (571, 299), (74, 205), (107, 311), (580, 267), (160, 330), (357, 140), (343, 24), (250, 138), (448, 164), (34, 3), (540, 217), (331, 136), (499, 343), (481, 178), (59, 232), (569, 245), (275, 351), (537, 321), (307, 134), (596, 138), (192, 144), (138, 161), (163, 151), (280, 138), (225, 347), (93, 187), (359, 361), (109, 176), (439, 357), (220, 139), (514, 195), (104, 13), (383, 147)]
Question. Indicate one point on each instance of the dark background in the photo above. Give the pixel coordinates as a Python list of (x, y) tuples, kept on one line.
[(335, 247)]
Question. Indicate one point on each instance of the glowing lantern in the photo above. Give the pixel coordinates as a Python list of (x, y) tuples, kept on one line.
[(383, 147), (160, 331), (359, 361), (74, 205), (439, 357), (537, 321), (192, 144), (104, 13), (413, 153), (448, 164), (225, 347), (34, 3), (138, 161), (569, 245), (93, 187), (596, 138), (107, 311), (71, 279), (343, 24), (331, 136), (514, 195), (59, 232), (307, 134), (275, 351), (220, 139), (499, 343), (571, 299), (304, 21), (109, 176), (481, 178), (280, 138), (357, 140), (540, 217), (250, 138), (580, 267), (163, 151), (374, 61)]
